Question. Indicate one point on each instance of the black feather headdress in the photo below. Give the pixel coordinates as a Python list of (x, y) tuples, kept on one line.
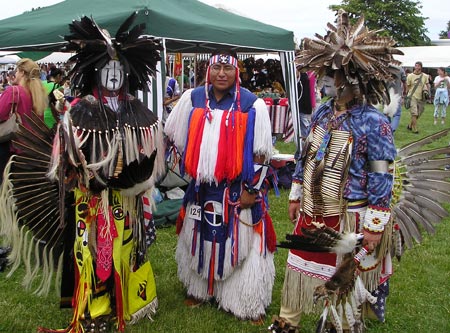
[(94, 47), (357, 58)]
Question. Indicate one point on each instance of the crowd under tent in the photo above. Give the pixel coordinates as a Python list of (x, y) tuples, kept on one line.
[(185, 26)]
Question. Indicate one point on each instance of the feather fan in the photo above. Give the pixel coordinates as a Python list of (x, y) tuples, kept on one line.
[(422, 186)]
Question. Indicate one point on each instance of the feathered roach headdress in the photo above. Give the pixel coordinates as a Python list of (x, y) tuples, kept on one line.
[(94, 47), (357, 58)]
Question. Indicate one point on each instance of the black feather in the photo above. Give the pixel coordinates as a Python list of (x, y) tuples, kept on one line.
[(124, 27)]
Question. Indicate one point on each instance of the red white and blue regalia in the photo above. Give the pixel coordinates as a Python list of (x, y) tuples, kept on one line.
[(224, 251)]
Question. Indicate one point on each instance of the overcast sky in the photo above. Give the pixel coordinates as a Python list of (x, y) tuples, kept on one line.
[(302, 17)]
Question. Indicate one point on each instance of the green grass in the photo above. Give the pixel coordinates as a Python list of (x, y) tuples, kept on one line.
[(420, 287)]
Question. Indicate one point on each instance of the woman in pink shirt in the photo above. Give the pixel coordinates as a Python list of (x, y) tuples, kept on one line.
[(28, 93)]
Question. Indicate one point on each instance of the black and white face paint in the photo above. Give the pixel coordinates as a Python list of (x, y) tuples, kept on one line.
[(112, 75)]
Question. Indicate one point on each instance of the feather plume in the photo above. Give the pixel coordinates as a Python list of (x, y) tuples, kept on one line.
[(425, 203), (322, 240), (438, 185), (429, 164), (435, 174), (322, 321), (94, 47), (360, 57)]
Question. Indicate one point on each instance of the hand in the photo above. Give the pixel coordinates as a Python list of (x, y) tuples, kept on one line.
[(371, 240), (294, 211), (247, 199)]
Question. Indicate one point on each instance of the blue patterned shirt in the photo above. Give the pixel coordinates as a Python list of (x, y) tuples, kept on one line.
[(372, 141)]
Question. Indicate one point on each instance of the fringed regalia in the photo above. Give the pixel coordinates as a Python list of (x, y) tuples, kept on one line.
[(348, 183), (117, 163), (338, 191), (105, 223), (80, 199), (223, 251)]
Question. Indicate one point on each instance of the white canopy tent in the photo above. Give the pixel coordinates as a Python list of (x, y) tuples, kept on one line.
[(430, 56), (55, 58), (10, 59)]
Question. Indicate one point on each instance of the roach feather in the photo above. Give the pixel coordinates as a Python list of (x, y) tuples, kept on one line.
[(124, 27)]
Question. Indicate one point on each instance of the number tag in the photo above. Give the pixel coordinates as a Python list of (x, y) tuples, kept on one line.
[(195, 212)]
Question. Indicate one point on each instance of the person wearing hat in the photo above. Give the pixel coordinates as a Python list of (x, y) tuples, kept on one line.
[(342, 182), (226, 238)]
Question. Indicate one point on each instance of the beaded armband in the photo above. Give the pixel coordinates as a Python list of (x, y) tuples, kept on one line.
[(296, 192), (376, 218)]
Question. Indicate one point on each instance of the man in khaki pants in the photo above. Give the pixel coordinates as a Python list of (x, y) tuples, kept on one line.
[(417, 77)]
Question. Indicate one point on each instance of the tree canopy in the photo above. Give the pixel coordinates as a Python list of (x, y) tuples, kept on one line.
[(402, 20), (445, 34)]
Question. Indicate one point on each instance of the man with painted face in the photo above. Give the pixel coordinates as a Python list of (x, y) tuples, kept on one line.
[(342, 180), (112, 76), (224, 230), (118, 157), (107, 155)]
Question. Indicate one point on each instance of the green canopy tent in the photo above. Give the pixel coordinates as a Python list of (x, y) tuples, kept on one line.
[(189, 25), (185, 26)]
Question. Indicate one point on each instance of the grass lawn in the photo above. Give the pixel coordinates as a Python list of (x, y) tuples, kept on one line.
[(419, 300)]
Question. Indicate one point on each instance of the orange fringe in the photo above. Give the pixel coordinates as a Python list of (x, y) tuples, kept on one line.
[(231, 145), (195, 135)]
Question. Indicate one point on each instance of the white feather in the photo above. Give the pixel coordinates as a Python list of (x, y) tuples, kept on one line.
[(391, 108), (347, 243)]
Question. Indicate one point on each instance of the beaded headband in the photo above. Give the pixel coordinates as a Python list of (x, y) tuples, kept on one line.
[(223, 59)]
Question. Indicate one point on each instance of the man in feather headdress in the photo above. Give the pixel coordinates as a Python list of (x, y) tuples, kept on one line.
[(226, 238), (342, 181), (94, 216), (114, 153)]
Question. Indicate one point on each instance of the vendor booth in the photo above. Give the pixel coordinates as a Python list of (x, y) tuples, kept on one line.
[(186, 26)]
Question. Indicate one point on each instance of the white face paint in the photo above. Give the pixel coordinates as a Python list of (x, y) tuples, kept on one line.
[(112, 75)]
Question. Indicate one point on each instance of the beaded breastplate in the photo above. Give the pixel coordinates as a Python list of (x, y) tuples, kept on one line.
[(325, 171)]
